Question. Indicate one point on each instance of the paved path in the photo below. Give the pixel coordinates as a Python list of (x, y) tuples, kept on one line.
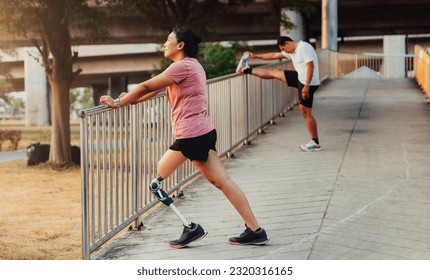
[(13, 155), (365, 196)]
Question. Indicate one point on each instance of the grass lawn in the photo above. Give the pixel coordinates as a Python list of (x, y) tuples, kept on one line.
[(40, 213)]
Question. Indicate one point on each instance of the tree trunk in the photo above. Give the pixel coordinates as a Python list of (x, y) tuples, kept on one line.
[(60, 74), (60, 152)]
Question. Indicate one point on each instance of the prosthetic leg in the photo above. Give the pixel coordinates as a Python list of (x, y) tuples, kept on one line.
[(192, 232), (162, 196)]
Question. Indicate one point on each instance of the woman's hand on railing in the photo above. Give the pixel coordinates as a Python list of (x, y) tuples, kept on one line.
[(108, 100)]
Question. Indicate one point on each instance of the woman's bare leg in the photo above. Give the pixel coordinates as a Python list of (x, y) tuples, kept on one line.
[(214, 171), (169, 162)]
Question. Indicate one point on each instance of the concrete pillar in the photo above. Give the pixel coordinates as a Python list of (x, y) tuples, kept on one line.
[(329, 32), (394, 61), (36, 87), (297, 33), (117, 85)]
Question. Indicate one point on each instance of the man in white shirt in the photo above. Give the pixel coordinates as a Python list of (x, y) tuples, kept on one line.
[(305, 78)]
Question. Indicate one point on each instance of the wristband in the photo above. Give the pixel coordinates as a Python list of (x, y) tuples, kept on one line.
[(307, 85), (116, 102)]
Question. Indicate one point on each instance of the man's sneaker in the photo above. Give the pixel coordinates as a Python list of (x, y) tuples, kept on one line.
[(311, 146), (249, 237), (243, 63), (196, 232)]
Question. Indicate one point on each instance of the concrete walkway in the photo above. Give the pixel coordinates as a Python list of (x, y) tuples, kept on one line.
[(13, 155), (366, 195)]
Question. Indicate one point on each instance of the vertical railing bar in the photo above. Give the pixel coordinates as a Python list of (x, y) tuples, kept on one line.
[(110, 214), (139, 156), (85, 190), (133, 146), (145, 151), (127, 156), (93, 234), (121, 159), (117, 165), (104, 212), (98, 156)]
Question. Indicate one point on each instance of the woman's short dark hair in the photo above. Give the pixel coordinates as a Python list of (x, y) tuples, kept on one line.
[(190, 39), (283, 39)]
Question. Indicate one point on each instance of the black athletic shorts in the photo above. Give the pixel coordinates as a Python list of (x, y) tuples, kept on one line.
[(293, 81), (196, 148)]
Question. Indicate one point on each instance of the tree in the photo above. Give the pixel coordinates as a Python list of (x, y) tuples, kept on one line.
[(165, 14), (5, 86), (202, 15), (48, 24), (219, 60)]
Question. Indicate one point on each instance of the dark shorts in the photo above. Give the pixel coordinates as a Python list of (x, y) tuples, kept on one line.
[(293, 81), (196, 148)]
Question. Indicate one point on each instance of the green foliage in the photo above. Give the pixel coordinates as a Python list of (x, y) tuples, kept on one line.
[(81, 98), (218, 60), (11, 104), (5, 85), (24, 18), (88, 20), (18, 104)]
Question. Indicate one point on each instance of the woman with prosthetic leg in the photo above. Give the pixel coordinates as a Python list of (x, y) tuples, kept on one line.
[(195, 135)]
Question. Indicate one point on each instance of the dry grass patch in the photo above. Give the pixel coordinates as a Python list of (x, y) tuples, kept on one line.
[(40, 212)]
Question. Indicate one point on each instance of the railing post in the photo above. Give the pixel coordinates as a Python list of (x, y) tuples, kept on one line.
[(247, 109), (85, 194), (134, 171), (230, 114)]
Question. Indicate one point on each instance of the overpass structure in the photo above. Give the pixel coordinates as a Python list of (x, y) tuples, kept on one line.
[(354, 17), (129, 53)]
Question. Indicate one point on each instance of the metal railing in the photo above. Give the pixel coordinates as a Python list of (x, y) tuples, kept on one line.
[(372, 65), (120, 148)]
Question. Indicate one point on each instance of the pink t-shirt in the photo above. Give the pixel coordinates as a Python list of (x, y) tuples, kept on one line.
[(187, 98)]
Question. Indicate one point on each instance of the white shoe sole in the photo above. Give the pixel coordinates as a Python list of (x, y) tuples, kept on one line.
[(306, 149), (239, 66)]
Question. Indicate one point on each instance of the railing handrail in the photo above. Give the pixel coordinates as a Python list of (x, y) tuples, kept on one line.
[(377, 54)]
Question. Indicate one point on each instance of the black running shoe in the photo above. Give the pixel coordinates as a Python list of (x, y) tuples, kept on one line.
[(196, 232), (249, 237)]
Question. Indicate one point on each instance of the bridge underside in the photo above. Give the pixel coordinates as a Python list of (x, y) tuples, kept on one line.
[(355, 18)]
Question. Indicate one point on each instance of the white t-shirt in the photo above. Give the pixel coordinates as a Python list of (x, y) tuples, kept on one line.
[(303, 54)]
